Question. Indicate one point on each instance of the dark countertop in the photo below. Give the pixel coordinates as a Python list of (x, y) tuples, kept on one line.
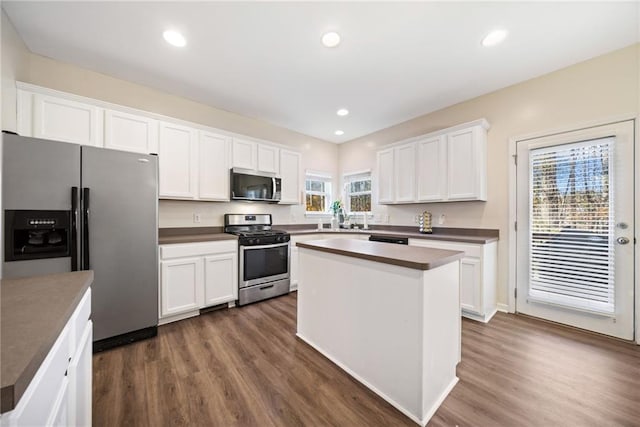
[(417, 258), (447, 237), (206, 234), (192, 235), (34, 312)]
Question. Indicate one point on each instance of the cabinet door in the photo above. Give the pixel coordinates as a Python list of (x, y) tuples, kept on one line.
[(182, 285), (129, 132), (290, 174), (244, 154), (432, 160), (470, 285), (59, 416), (385, 176), (463, 162), (220, 278), (80, 380), (213, 168), (268, 159), (69, 121), (405, 173), (177, 161)]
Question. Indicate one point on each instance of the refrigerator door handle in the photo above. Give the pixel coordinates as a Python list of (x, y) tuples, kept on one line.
[(75, 194), (85, 229)]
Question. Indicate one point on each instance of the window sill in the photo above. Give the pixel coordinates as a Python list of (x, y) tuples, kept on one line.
[(318, 214)]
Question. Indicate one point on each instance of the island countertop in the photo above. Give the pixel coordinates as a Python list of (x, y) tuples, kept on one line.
[(417, 258), (34, 312)]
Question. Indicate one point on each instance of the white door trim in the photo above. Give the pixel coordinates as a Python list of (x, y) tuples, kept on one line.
[(511, 277)]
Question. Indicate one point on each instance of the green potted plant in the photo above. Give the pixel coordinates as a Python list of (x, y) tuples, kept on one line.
[(338, 213)]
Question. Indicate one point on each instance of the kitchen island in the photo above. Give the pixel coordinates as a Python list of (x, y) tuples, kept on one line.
[(389, 315)]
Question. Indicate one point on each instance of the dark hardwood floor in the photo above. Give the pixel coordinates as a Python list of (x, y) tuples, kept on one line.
[(245, 367)]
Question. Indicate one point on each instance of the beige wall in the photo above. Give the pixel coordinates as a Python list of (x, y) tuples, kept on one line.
[(594, 90), (15, 59)]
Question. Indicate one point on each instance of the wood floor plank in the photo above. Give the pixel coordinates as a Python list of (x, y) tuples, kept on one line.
[(245, 367)]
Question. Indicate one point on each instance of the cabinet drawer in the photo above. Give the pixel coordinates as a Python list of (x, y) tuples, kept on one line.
[(197, 249)]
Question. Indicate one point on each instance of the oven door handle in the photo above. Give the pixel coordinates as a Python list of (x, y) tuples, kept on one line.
[(277, 245)]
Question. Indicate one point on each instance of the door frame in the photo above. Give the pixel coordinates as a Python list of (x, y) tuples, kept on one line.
[(511, 233)]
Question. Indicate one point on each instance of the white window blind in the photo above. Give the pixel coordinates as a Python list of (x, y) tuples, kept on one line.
[(571, 225)]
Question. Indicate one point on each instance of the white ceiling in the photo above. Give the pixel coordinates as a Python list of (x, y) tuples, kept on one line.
[(264, 60)]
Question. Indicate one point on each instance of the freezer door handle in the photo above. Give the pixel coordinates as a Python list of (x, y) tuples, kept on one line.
[(75, 194), (85, 229)]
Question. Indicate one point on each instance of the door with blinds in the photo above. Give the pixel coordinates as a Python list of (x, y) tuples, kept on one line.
[(575, 228)]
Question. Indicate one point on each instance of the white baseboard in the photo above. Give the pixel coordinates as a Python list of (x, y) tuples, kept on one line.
[(438, 402), (503, 308), (177, 317), (477, 317)]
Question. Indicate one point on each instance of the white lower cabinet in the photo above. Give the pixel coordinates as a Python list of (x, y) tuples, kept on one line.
[(182, 285), (60, 392), (478, 276), (220, 278), (196, 275)]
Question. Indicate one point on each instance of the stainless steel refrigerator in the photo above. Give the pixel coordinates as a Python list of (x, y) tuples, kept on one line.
[(68, 207)]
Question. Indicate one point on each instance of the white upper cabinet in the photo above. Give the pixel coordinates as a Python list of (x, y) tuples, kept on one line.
[(466, 164), (385, 176), (130, 132), (193, 160), (65, 120), (450, 166), (213, 166), (290, 175), (405, 173), (431, 165), (177, 161), (268, 159), (255, 157), (244, 154)]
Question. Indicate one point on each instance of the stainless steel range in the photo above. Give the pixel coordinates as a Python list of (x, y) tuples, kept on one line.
[(264, 256)]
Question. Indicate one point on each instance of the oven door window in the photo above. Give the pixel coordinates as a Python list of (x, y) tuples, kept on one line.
[(265, 262)]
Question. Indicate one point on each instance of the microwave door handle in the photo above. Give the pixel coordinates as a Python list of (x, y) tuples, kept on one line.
[(74, 228), (273, 188)]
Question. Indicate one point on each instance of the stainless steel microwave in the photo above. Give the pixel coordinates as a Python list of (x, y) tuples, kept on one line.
[(255, 187)]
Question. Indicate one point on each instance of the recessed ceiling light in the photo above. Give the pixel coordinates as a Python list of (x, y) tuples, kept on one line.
[(339, 132), (174, 38), (342, 112), (494, 37), (331, 39)]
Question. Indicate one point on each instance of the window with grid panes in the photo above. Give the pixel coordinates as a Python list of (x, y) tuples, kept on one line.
[(317, 193), (358, 192)]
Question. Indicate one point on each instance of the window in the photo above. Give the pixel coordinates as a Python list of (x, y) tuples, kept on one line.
[(317, 192), (358, 192)]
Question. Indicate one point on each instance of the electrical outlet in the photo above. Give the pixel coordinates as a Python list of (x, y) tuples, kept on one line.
[(197, 218), (441, 219)]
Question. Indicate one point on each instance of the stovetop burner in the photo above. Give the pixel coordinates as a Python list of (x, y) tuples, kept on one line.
[(258, 233), (254, 230)]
